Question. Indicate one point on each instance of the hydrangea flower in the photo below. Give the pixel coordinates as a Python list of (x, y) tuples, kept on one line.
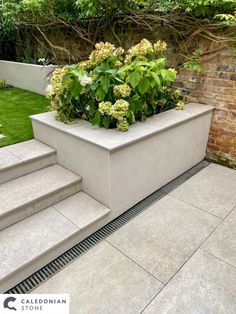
[(180, 105), (177, 93), (141, 49), (160, 46), (173, 71), (122, 125), (120, 109), (84, 65), (105, 107), (86, 80), (56, 80), (122, 90), (50, 91), (102, 52)]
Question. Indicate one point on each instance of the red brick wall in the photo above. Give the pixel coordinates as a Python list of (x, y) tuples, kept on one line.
[(216, 86)]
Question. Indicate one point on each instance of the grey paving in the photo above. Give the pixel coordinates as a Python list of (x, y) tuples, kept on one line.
[(29, 149), (20, 159), (7, 159), (222, 168), (104, 281), (222, 243), (205, 285), (187, 247), (35, 191), (82, 209), (33, 185), (25, 242), (163, 237), (212, 190)]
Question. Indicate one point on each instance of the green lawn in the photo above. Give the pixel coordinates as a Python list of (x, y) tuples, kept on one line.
[(16, 106)]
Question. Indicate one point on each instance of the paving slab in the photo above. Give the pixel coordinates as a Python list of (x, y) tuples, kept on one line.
[(82, 209), (30, 149), (205, 285), (7, 159), (163, 237), (222, 243), (104, 281), (30, 238), (222, 168), (34, 185), (27, 195), (212, 190)]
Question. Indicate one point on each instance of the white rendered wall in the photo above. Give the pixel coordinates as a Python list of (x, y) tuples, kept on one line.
[(120, 169), (30, 77)]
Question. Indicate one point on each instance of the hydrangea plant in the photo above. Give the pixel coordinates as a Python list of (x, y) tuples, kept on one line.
[(114, 89)]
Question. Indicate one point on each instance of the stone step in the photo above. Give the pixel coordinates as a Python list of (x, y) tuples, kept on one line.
[(23, 158), (32, 243), (27, 195)]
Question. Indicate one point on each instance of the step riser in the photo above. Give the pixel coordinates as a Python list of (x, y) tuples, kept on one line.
[(26, 167), (48, 256), (37, 205)]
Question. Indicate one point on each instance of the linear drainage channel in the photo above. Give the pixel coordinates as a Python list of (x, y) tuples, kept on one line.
[(66, 258)]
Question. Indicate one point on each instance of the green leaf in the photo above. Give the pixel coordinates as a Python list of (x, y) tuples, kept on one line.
[(143, 85), (131, 117), (100, 93), (75, 89), (168, 75), (105, 83), (97, 118), (111, 71), (134, 78), (160, 63), (106, 122), (124, 68), (156, 78)]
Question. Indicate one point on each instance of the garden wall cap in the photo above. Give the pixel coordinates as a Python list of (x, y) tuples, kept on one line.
[(111, 139), (27, 64)]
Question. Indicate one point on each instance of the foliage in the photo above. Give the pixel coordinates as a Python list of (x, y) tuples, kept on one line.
[(194, 62), (16, 106), (114, 89), (89, 20), (3, 84), (72, 10), (7, 38)]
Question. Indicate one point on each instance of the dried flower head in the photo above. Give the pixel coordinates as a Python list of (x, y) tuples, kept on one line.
[(160, 46)]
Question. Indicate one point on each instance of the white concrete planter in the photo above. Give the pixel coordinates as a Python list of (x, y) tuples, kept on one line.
[(121, 169), (30, 77)]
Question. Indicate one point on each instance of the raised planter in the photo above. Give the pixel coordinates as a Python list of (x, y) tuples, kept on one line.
[(121, 169), (30, 77)]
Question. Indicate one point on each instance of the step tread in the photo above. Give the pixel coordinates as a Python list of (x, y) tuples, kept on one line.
[(33, 186), (48, 229), (30, 238), (16, 154), (82, 209), (7, 159)]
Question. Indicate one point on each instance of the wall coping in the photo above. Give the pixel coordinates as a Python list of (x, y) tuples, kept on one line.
[(111, 139), (29, 64)]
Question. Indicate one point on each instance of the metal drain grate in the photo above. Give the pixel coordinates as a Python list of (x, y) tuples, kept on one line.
[(53, 267)]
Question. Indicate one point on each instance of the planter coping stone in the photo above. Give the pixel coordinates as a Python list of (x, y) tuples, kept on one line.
[(112, 140)]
